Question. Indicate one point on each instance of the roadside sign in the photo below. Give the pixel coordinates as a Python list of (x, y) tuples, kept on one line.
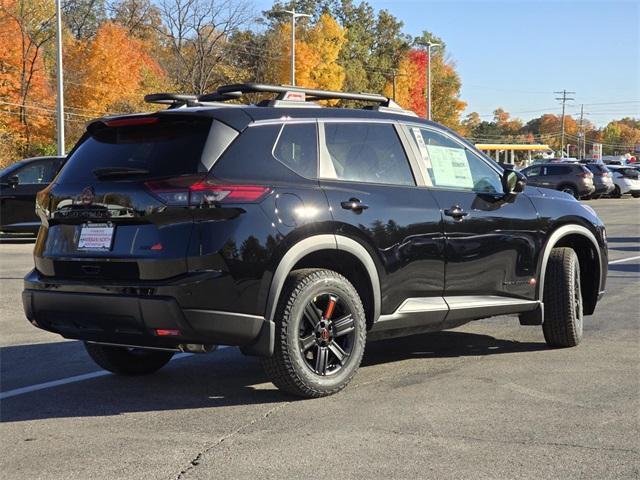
[(596, 153)]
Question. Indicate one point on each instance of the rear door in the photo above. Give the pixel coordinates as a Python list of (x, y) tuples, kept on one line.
[(491, 242), (367, 176)]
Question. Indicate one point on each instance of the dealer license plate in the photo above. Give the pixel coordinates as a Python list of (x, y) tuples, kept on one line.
[(96, 236)]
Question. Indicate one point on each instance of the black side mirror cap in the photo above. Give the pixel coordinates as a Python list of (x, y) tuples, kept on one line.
[(513, 182)]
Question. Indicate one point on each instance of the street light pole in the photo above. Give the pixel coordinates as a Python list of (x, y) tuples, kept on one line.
[(60, 89), (294, 16), (429, 45)]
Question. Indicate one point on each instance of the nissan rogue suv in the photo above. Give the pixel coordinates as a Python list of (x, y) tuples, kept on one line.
[(297, 232)]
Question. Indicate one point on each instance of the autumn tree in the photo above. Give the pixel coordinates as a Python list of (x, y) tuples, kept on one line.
[(26, 26), (83, 17), (317, 51), (114, 72), (196, 32)]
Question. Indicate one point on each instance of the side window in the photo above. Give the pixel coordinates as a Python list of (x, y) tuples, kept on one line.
[(37, 173), (449, 164), (367, 152), (297, 148), (532, 172), (558, 170)]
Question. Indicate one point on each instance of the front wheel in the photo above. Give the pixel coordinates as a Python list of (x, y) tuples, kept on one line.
[(320, 334), (562, 326), (127, 361)]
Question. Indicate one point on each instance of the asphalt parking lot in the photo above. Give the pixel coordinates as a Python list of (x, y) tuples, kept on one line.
[(487, 400)]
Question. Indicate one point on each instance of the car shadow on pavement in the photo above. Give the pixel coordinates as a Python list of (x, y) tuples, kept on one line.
[(442, 345), (220, 379), (16, 240)]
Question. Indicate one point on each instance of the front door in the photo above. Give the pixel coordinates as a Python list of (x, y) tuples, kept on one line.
[(374, 198), (17, 200), (491, 240)]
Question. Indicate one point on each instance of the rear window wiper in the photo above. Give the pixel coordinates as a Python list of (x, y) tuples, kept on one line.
[(119, 172)]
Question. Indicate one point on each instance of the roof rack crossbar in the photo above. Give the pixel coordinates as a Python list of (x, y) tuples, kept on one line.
[(172, 99), (240, 89)]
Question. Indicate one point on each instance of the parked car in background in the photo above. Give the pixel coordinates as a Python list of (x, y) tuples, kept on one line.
[(19, 184), (626, 180), (602, 179), (571, 178)]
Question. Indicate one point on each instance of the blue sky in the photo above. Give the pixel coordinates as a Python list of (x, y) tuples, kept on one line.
[(515, 54)]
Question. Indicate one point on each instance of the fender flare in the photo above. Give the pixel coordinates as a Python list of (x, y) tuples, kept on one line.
[(314, 244), (553, 239)]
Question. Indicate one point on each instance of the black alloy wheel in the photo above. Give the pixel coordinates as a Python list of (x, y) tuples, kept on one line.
[(327, 334), (320, 334)]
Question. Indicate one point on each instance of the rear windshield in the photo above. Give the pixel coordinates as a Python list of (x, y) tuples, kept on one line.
[(594, 168), (170, 147)]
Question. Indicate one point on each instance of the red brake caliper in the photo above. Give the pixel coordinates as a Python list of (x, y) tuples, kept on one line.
[(330, 306)]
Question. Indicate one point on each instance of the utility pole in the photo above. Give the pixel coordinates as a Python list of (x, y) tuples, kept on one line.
[(60, 86), (429, 45), (581, 135), (564, 100), (294, 16), (394, 74)]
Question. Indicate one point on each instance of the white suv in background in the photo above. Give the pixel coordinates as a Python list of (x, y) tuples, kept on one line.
[(626, 179)]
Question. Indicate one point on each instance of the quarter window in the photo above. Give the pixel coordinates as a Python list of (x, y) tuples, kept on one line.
[(297, 148), (366, 152), (449, 164)]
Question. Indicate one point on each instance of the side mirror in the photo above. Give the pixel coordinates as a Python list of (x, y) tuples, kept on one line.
[(513, 182), (13, 181)]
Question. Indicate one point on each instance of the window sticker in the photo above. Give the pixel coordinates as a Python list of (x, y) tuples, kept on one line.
[(422, 146), (450, 167)]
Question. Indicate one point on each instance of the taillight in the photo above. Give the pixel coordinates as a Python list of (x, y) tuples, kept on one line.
[(196, 191), (586, 175)]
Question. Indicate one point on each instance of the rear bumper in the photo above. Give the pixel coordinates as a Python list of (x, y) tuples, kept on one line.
[(604, 189), (133, 314)]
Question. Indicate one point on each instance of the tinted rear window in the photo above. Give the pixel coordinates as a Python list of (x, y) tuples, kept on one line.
[(558, 170), (170, 147)]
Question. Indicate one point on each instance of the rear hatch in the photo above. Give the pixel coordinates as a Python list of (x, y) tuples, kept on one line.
[(104, 217)]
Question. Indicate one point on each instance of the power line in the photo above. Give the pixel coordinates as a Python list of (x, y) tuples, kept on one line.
[(564, 100)]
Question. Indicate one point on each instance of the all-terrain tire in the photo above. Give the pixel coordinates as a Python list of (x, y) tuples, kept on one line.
[(127, 361), (287, 368), (562, 326)]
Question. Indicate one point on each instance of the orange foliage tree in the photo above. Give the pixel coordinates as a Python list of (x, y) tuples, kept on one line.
[(446, 106), (112, 72), (317, 52), (25, 106)]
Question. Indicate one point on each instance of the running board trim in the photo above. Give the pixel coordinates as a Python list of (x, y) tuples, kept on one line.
[(439, 313)]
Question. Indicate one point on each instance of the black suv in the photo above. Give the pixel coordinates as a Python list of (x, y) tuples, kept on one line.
[(297, 232)]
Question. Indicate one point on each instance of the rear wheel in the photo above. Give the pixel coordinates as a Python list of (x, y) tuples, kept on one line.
[(616, 192), (562, 325), (570, 190), (320, 334), (128, 361)]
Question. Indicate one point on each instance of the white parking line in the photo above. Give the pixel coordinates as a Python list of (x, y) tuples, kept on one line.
[(625, 260), (76, 378)]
